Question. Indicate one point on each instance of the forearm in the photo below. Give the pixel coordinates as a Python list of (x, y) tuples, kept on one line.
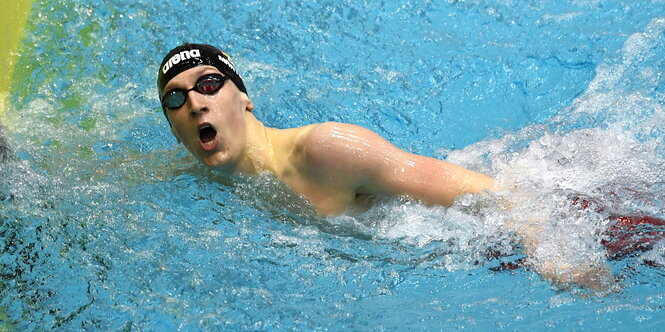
[(596, 277), (474, 182), (551, 259), (438, 182)]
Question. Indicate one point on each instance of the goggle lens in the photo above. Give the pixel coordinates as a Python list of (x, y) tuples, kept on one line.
[(206, 85), (175, 99)]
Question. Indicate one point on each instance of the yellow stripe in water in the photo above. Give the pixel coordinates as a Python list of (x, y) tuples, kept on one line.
[(13, 15)]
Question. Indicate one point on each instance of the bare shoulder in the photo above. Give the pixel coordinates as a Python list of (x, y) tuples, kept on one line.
[(317, 142), (333, 140), (328, 130), (336, 134), (341, 146)]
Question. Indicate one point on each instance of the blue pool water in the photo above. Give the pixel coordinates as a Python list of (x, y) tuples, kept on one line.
[(107, 224)]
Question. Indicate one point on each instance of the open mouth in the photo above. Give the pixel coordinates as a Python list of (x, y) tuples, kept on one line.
[(207, 135)]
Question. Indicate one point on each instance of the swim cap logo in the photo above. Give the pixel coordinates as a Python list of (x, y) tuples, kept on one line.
[(228, 63), (178, 57)]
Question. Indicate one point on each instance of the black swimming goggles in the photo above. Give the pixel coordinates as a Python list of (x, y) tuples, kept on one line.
[(206, 84)]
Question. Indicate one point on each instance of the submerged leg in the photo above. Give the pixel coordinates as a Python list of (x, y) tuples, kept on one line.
[(628, 234)]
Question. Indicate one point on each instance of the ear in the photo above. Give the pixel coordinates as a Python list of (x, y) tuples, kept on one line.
[(175, 134), (249, 104)]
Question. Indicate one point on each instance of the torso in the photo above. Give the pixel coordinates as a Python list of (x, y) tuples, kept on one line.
[(329, 192)]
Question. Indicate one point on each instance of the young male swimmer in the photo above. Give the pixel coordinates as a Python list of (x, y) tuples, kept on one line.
[(329, 164), (332, 165)]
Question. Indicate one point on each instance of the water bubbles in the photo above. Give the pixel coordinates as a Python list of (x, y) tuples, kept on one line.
[(101, 189)]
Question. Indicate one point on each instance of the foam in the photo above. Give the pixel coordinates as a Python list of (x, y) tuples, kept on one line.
[(607, 147)]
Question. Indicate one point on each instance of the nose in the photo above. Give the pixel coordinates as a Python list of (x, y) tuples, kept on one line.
[(196, 103)]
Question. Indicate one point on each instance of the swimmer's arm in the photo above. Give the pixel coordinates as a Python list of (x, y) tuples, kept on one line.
[(375, 166), (429, 180), (357, 158), (593, 276)]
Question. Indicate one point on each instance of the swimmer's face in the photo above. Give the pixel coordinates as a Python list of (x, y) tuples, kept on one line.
[(211, 126)]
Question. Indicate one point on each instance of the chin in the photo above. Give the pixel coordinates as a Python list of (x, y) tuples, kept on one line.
[(212, 163), (217, 162)]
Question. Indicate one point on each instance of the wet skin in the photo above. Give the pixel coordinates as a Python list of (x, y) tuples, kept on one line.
[(330, 164), (224, 111)]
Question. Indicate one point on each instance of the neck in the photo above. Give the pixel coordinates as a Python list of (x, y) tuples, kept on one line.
[(259, 150)]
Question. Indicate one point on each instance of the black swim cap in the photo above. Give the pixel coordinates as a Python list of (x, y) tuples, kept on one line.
[(187, 56)]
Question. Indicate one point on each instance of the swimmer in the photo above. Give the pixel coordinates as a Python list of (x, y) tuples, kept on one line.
[(334, 166)]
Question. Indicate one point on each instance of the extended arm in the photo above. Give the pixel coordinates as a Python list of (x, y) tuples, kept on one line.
[(592, 274), (373, 165), (357, 158)]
